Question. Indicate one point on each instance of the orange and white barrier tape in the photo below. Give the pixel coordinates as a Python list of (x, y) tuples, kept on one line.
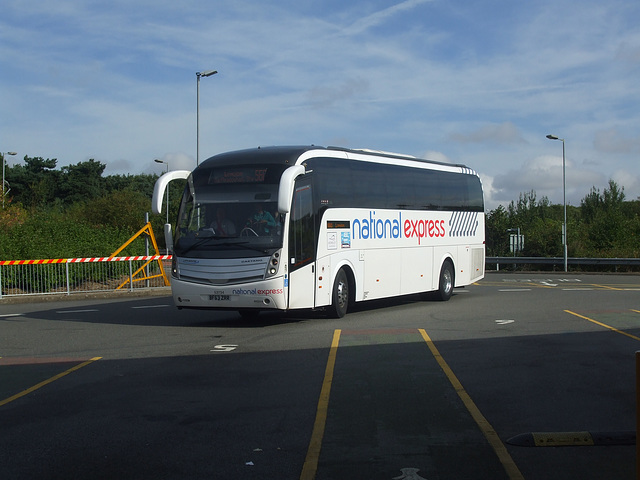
[(85, 260)]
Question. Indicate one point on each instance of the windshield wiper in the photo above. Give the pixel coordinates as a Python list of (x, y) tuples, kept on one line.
[(205, 240), (197, 243), (245, 245)]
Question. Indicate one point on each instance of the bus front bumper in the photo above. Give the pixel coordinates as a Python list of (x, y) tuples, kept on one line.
[(266, 295)]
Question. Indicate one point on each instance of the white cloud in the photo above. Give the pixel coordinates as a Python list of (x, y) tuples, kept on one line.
[(436, 157), (630, 181), (460, 83), (614, 141), (544, 176), (376, 18), (503, 133)]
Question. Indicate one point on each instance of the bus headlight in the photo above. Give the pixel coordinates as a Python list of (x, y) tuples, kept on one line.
[(274, 263), (174, 267)]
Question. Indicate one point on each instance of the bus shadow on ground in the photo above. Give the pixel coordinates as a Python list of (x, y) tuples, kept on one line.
[(161, 311)]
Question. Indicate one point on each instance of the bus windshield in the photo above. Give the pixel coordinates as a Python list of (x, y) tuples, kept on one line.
[(230, 209)]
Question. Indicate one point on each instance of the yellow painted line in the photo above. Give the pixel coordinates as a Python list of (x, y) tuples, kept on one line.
[(313, 453), (573, 439), (47, 382), (637, 311), (606, 287), (494, 440), (603, 325)]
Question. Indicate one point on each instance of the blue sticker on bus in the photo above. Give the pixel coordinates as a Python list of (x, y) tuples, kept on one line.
[(346, 239)]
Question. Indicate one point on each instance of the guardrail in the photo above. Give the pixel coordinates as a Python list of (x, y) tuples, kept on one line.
[(582, 261), (82, 275), (96, 274)]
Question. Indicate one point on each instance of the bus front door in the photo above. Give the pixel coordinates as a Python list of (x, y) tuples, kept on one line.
[(302, 247)]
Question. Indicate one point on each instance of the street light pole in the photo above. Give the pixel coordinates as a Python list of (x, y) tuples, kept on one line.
[(564, 199), (167, 188), (208, 73), (4, 161)]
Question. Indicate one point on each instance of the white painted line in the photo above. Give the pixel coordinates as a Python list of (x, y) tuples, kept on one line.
[(576, 289), (78, 311), (632, 289), (410, 474), (150, 306), (514, 290), (6, 315), (504, 322), (224, 348)]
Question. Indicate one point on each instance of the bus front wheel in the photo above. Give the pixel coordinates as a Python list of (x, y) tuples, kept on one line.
[(340, 295), (445, 289)]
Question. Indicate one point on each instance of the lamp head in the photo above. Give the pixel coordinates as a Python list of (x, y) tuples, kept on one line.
[(555, 137)]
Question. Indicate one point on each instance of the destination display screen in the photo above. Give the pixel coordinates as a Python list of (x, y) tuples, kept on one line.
[(237, 175), (331, 224)]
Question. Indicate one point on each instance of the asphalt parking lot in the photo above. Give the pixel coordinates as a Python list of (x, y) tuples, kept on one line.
[(515, 377)]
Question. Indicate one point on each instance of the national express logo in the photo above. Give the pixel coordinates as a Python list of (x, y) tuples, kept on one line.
[(460, 224)]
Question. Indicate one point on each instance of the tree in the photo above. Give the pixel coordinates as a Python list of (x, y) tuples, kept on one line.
[(82, 181), (122, 209), (536, 222), (604, 222), (35, 183), (497, 223)]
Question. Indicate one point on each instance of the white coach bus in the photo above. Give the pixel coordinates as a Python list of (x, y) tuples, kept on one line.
[(312, 227)]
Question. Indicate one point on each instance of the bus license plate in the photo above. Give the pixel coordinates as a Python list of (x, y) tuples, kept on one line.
[(219, 298)]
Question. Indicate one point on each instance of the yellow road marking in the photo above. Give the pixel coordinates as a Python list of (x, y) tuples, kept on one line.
[(606, 287), (488, 431), (637, 311), (313, 453), (48, 381), (603, 325)]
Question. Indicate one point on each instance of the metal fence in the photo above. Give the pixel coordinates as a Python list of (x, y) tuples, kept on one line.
[(82, 275), (86, 275), (614, 264)]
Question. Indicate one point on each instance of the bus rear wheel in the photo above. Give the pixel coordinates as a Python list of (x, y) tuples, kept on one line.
[(445, 288), (340, 295)]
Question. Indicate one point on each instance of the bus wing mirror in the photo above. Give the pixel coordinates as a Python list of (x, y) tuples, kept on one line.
[(285, 191), (161, 185), (168, 238)]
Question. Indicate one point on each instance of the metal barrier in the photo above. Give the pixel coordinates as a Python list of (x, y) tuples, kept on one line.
[(559, 261), (85, 275), (82, 275)]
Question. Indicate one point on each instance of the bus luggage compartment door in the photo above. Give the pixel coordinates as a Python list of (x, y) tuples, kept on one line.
[(302, 287)]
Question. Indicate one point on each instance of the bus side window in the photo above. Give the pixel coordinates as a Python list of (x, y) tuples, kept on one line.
[(302, 234)]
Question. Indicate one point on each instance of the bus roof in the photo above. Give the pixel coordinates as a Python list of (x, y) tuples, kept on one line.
[(290, 154)]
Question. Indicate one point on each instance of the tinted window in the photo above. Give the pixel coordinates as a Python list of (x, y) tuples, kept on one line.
[(349, 183)]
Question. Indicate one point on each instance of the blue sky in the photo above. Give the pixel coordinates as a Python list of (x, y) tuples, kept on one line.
[(479, 83)]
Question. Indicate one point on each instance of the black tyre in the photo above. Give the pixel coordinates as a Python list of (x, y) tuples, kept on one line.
[(340, 295), (447, 281)]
